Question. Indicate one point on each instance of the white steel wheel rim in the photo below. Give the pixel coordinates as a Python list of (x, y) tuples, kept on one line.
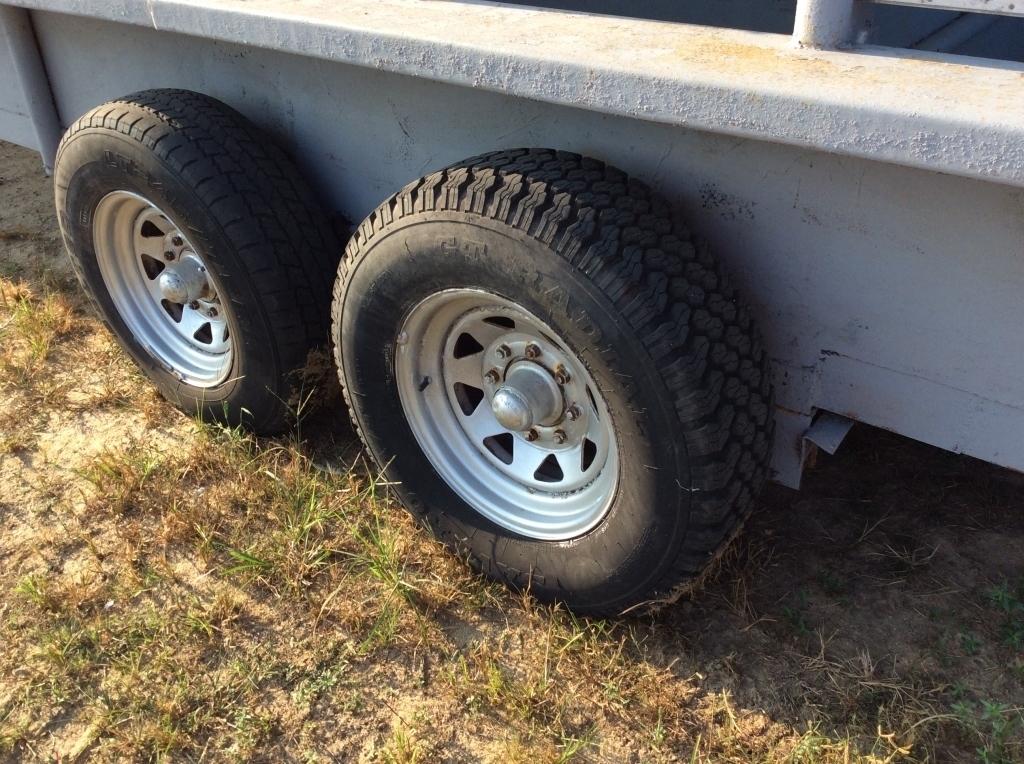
[(162, 289), (548, 470)]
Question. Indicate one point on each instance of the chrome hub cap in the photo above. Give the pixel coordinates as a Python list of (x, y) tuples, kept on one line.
[(184, 281), (509, 416), (172, 287), (162, 289), (528, 396)]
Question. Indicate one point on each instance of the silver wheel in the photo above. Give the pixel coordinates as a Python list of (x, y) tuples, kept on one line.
[(507, 414), (162, 289)]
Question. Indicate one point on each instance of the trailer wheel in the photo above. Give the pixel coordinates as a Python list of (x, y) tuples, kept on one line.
[(202, 249), (555, 379)]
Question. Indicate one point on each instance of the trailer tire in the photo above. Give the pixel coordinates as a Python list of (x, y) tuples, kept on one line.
[(203, 250), (563, 252)]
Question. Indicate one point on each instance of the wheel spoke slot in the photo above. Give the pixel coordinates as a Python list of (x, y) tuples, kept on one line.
[(466, 345), (469, 397), (502, 321), (549, 471), (501, 446), (589, 454), (204, 334), (149, 230), (174, 310), (151, 266)]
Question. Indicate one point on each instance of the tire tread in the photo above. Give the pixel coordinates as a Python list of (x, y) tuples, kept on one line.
[(241, 176), (666, 285)]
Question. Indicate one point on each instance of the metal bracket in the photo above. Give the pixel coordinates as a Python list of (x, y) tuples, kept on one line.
[(28, 64), (828, 431)]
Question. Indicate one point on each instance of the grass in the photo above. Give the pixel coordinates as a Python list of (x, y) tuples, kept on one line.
[(32, 323), (176, 590), (1008, 601)]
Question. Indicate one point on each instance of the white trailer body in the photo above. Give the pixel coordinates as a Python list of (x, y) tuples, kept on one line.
[(868, 199)]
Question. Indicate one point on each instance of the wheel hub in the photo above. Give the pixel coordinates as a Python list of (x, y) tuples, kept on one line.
[(184, 281), (530, 396), (173, 287), (162, 289), (508, 415)]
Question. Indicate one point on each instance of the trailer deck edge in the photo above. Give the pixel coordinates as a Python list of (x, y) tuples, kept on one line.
[(908, 108)]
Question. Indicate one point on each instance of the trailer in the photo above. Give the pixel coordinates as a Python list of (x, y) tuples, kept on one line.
[(692, 243)]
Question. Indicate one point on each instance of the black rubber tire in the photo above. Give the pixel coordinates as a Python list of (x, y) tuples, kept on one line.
[(600, 259), (244, 205)]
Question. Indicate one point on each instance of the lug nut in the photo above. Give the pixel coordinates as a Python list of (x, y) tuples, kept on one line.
[(168, 255), (177, 241), (213, 312), (562, 375), (492, 376), (504, 352), (573, 413), (532, 351), (194, 305), (532, 435), (560, 436)]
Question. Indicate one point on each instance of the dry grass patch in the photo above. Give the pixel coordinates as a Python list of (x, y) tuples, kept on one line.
[(171, 590)]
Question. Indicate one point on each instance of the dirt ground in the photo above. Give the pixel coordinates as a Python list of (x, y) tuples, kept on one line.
[(172, 590)]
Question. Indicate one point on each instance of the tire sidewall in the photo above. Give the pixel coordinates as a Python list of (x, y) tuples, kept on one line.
[(430, 252), (95, 162)]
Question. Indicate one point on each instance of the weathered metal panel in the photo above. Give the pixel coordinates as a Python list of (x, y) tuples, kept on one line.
[(15, 122), (918, 109), (31, 81), (914, 405), (915, 275)]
